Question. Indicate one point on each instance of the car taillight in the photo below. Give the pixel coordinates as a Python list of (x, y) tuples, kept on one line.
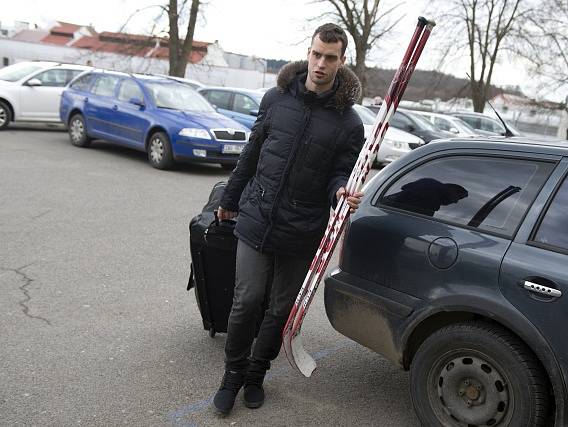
[(342, 242)]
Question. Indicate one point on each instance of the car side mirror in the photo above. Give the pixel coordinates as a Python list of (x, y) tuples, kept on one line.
[(33, 82), (410, 128), (137, 101), (454, 130), (253, 113)]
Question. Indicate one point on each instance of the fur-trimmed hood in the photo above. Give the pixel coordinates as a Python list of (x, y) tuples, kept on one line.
[(348, 92)]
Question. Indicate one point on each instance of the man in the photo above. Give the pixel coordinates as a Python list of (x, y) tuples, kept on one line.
[(301, 151)]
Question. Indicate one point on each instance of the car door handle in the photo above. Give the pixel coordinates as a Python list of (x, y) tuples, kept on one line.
[(540, 289), (115, 107), (86, 99)]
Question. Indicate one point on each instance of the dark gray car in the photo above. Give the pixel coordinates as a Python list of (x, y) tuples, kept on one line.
[(455, 267)]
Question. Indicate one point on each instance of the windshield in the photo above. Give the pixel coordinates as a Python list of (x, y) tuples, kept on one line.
[(15, 72), (367, 116), (177, 96), (424, 123)]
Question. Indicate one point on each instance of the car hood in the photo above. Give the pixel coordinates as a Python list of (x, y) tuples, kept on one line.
[(210, 120), (395, 134)]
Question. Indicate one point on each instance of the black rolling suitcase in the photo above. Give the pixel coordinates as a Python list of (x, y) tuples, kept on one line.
[(213, 248)]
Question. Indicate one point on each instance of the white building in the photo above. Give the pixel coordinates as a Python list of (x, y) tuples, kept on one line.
[(70, 43)]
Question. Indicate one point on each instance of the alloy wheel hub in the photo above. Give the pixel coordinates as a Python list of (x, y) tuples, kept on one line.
[(156, 150), (77, 130)]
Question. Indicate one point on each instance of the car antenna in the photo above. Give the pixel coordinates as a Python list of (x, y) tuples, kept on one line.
[(508, 132)]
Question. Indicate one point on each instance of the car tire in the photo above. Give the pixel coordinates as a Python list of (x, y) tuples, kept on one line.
[(160, 151), (477, 373), (5, 115), (78, 131)]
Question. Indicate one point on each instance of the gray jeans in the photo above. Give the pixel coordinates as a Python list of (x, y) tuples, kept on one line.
[(258, 273)]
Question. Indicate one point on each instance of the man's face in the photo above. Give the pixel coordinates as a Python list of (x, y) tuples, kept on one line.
[(324, 60)]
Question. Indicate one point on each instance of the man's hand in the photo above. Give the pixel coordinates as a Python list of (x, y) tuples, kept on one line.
[(353, 200), (223, 214)]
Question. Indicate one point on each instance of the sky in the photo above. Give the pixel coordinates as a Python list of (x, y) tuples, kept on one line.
[(275, 29)]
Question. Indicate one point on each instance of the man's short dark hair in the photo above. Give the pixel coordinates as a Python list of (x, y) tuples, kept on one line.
[(332, 33)]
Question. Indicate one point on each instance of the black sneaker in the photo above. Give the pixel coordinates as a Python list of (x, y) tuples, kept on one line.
[(225, 397), (254, 392)]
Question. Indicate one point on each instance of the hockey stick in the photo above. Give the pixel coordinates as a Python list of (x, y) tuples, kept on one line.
[(391, 93), (295, 352)]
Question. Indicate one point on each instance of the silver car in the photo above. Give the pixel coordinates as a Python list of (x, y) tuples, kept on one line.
[(396, 142), (450, 123)]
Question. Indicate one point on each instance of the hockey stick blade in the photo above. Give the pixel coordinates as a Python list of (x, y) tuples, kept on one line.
[(303, 361)]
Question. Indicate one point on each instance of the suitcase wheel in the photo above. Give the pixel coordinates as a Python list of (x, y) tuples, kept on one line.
[(212, 332)]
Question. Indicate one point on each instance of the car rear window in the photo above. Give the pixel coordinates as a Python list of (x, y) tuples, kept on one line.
[(82, 83), (553, 230), (487, 193)]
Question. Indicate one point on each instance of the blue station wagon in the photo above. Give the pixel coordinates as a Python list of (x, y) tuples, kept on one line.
[(455, 267), (167, 119)]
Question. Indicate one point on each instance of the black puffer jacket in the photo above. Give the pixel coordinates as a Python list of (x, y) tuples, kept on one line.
[(302, 148)]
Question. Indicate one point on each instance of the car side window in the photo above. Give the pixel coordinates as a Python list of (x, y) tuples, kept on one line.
[(244, 104), (83, 83), (71, 74), (491, 126), (105, 85), (56, 77), (219, 98), (442, 123), (129, 89), (472, 121), (487, 193), (553, 230), (401, 121)]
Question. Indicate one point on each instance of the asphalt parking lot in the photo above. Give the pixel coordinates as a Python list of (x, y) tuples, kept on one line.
[(96, 325)]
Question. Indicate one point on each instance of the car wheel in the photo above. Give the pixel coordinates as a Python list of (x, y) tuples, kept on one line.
[(5, 115), (160, 151), (78, 131), (478, 374)]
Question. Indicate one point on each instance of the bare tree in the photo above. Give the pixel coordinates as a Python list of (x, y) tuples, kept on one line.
[(546, 43), (362, 20), (490, 28), (180, 49)]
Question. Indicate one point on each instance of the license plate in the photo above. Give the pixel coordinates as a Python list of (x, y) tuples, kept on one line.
[(232, 148)]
